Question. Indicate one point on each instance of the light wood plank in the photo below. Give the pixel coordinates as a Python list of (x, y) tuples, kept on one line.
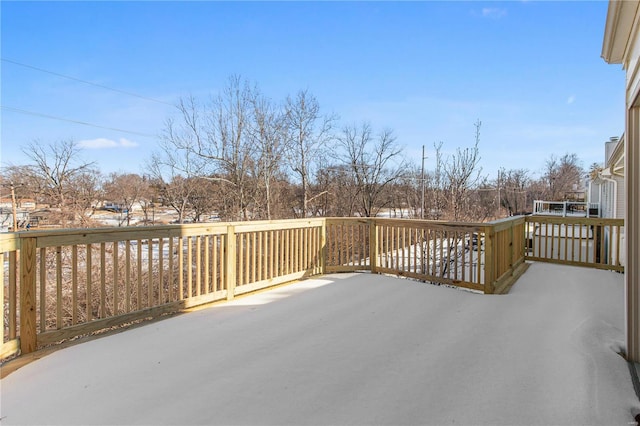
[(198, 266), (116, 278), (28, 326), (74, 285), (58, 303), (43, 288), (89, 262), (103, 280), (127, 276)]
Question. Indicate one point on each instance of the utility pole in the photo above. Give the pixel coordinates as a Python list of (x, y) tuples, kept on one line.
[(422, 186), (14, 207), (498, 193)]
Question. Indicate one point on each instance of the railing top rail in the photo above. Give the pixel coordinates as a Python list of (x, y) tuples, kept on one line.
[(426, 222), (9, 242), (267, 225), (496, 225), (562, 202), (507, 222), (575, 220), (60, 237)]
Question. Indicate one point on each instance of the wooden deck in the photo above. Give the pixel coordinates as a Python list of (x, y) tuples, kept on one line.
[(353, 348)]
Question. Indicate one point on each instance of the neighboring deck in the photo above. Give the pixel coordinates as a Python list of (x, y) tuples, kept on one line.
[(353, 348), (566, 208)]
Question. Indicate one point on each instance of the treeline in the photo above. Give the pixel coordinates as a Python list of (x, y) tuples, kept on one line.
[(246, 157)]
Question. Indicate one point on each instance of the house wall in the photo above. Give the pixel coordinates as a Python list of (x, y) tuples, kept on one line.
[(632, 229), (593, 192), (622, 45), (612, 197), (620, 207), (606, 199)]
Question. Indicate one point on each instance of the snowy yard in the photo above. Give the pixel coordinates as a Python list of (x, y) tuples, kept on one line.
[(354, 349)]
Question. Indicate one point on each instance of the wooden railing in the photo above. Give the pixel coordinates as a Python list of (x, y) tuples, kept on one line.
[(63, 284), (507, 251), (593, 242), (566, 208), (348, 244), (436, 252), (60, 284)]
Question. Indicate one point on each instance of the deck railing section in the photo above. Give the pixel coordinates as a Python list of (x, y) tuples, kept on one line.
[(593, 242), (64, 283), (348, 247), (60, 284), (432, 251), (277, 252), (506, 250), (9, 280)]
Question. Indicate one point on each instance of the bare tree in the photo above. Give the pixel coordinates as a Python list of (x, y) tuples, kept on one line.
[(513, 186), (268, 135), (86, 190), (52, 172), (204, 197), (462, 173), (563, 176), (375, 162), (308, 134), (149, 197), (229, 148), (435, 197), (406, 192), (172, 169), (126, 189), (336, 192)]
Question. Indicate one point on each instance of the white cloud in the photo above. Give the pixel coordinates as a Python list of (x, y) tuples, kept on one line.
[(493, 12), (104, 143), (571, 99)]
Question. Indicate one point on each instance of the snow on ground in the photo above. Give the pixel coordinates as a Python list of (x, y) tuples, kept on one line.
[(353, 349)]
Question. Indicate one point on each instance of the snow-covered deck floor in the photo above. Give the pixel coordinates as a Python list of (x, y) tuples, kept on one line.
[(353, 349)]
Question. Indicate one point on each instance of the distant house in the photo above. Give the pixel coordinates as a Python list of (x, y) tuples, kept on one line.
[(621, 45), (21, 203), (27, 204), (6, 219), (6, 203), (607, 185), (608, 190)]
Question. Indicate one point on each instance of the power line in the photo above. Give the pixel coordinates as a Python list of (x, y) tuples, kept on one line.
[(84, 123), (86, 82)]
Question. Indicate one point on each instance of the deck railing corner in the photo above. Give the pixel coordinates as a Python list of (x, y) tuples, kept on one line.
[(60, 284)]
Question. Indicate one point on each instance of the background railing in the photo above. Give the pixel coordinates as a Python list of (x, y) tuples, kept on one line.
[(566, 208), (433, 251), (60, 284), (593, 242)]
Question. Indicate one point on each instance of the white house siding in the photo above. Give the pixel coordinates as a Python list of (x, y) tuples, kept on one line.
[(621, 46), (612, 197), (620, 206), (606, 199)]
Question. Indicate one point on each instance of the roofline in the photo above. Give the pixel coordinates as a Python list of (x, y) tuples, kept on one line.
[(621, 18), (618, 153)]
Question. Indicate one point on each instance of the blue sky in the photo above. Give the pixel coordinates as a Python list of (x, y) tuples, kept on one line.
[(530, 71)]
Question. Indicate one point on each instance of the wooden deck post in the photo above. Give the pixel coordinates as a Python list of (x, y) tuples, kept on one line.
[(512, 248), (489, 260), (373, 246), (632, 231), (323, 247), (28, 331), (230, 262)]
